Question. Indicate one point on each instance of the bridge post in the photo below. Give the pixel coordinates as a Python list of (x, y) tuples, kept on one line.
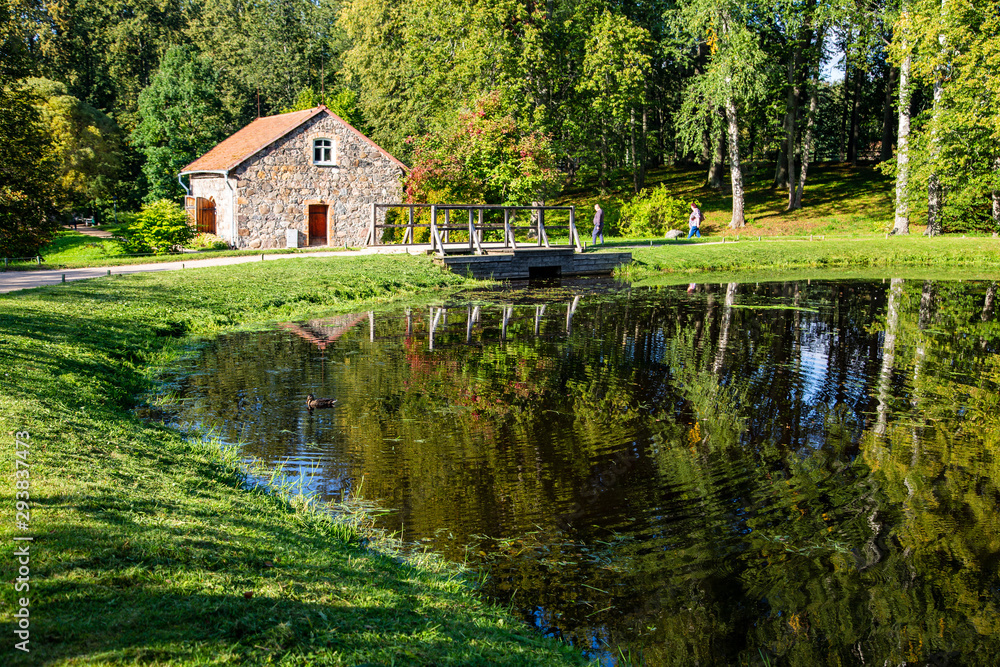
[(435, 240), (472, 232), (574, 234)]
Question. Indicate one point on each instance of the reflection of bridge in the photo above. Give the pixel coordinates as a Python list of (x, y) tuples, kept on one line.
[(473, 316), (324, 332)]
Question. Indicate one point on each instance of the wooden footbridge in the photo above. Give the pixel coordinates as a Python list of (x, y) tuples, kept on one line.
[(488, 241)]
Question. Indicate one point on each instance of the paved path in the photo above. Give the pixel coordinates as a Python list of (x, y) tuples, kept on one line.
[(11, 281), (89, 231)]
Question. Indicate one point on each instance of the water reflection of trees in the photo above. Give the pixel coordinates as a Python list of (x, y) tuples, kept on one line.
[(796, 470)]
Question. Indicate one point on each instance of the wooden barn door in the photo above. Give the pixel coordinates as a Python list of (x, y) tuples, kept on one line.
[(205, 211), (317, 224)]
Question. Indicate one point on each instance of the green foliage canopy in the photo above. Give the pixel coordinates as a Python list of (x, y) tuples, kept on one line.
[(27, 171), (486, 157), (87, 145), (955, 45), (181, 119)]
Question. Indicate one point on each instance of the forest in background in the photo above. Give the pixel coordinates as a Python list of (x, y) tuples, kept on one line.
[(504, 101)]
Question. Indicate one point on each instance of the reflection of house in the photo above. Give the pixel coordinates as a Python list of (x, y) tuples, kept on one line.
[(322, 333), (308, 171)]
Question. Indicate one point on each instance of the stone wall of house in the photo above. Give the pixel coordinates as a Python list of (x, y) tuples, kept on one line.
[(213, 186), (276, 186)]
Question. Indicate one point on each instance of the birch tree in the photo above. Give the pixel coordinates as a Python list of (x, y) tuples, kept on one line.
[(615, 68), (733, 76), (951, 47), (901, 223)]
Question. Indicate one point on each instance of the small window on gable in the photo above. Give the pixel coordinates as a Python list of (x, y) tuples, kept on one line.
[(322, 151)]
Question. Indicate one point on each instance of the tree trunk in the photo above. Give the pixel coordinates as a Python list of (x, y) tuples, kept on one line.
[(638, 159), (852, 141), (604, 158), (888, 355), (844, 87), (791, 108), (996, 195), (933, 182), (781, 167), (901, 225), (933, 205), (886, 150), (807, 141), (736, 172), (727, 317), (991, 296), (644, 144), (718, 165)]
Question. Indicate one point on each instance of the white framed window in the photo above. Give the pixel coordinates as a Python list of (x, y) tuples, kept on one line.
[(323, 152)]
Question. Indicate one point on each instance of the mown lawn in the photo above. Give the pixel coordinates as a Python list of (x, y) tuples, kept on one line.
[(941, 254), (150, 549)]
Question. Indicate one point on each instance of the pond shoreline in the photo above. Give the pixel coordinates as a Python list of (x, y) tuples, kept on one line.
[(151, 548), (133, 521)]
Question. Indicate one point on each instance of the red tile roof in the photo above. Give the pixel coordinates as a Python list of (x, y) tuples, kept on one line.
[(235, 150)]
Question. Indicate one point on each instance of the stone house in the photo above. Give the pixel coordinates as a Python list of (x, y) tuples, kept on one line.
[(308, 172)]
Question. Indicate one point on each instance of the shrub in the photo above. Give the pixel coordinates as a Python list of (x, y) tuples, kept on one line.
[(206, 241), (160, 227), (653, 212)]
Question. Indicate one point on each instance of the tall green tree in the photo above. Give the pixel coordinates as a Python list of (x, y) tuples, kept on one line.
[(181, 117), (733, 78), (615, 68), (27, 172), (86, 143), (953, 51), (106, 51)]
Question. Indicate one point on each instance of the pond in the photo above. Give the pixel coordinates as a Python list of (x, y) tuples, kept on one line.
[(801, 472)]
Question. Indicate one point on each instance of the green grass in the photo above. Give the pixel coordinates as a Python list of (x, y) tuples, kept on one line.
[(73, 250), (147, 545), (932, 255), (838, 200)]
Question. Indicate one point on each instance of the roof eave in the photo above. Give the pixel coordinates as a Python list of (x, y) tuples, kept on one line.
[(188, 172)]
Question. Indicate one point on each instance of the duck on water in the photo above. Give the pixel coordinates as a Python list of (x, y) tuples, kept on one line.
[(313, 403)]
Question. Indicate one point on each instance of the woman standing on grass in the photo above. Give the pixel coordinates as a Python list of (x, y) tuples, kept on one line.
[(694, 221)]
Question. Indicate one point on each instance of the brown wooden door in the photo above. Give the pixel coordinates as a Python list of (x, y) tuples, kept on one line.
[(317, 225), (206, 216)]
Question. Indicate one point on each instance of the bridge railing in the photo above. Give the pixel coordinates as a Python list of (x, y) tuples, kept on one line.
[(441, 224)]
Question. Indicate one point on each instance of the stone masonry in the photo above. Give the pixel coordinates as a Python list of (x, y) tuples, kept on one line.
[(520, 264), (275, 186)]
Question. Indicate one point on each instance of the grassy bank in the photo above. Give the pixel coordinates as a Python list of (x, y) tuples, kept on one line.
[(149, 548), (838, 200), (942, 254), (73, 250)]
